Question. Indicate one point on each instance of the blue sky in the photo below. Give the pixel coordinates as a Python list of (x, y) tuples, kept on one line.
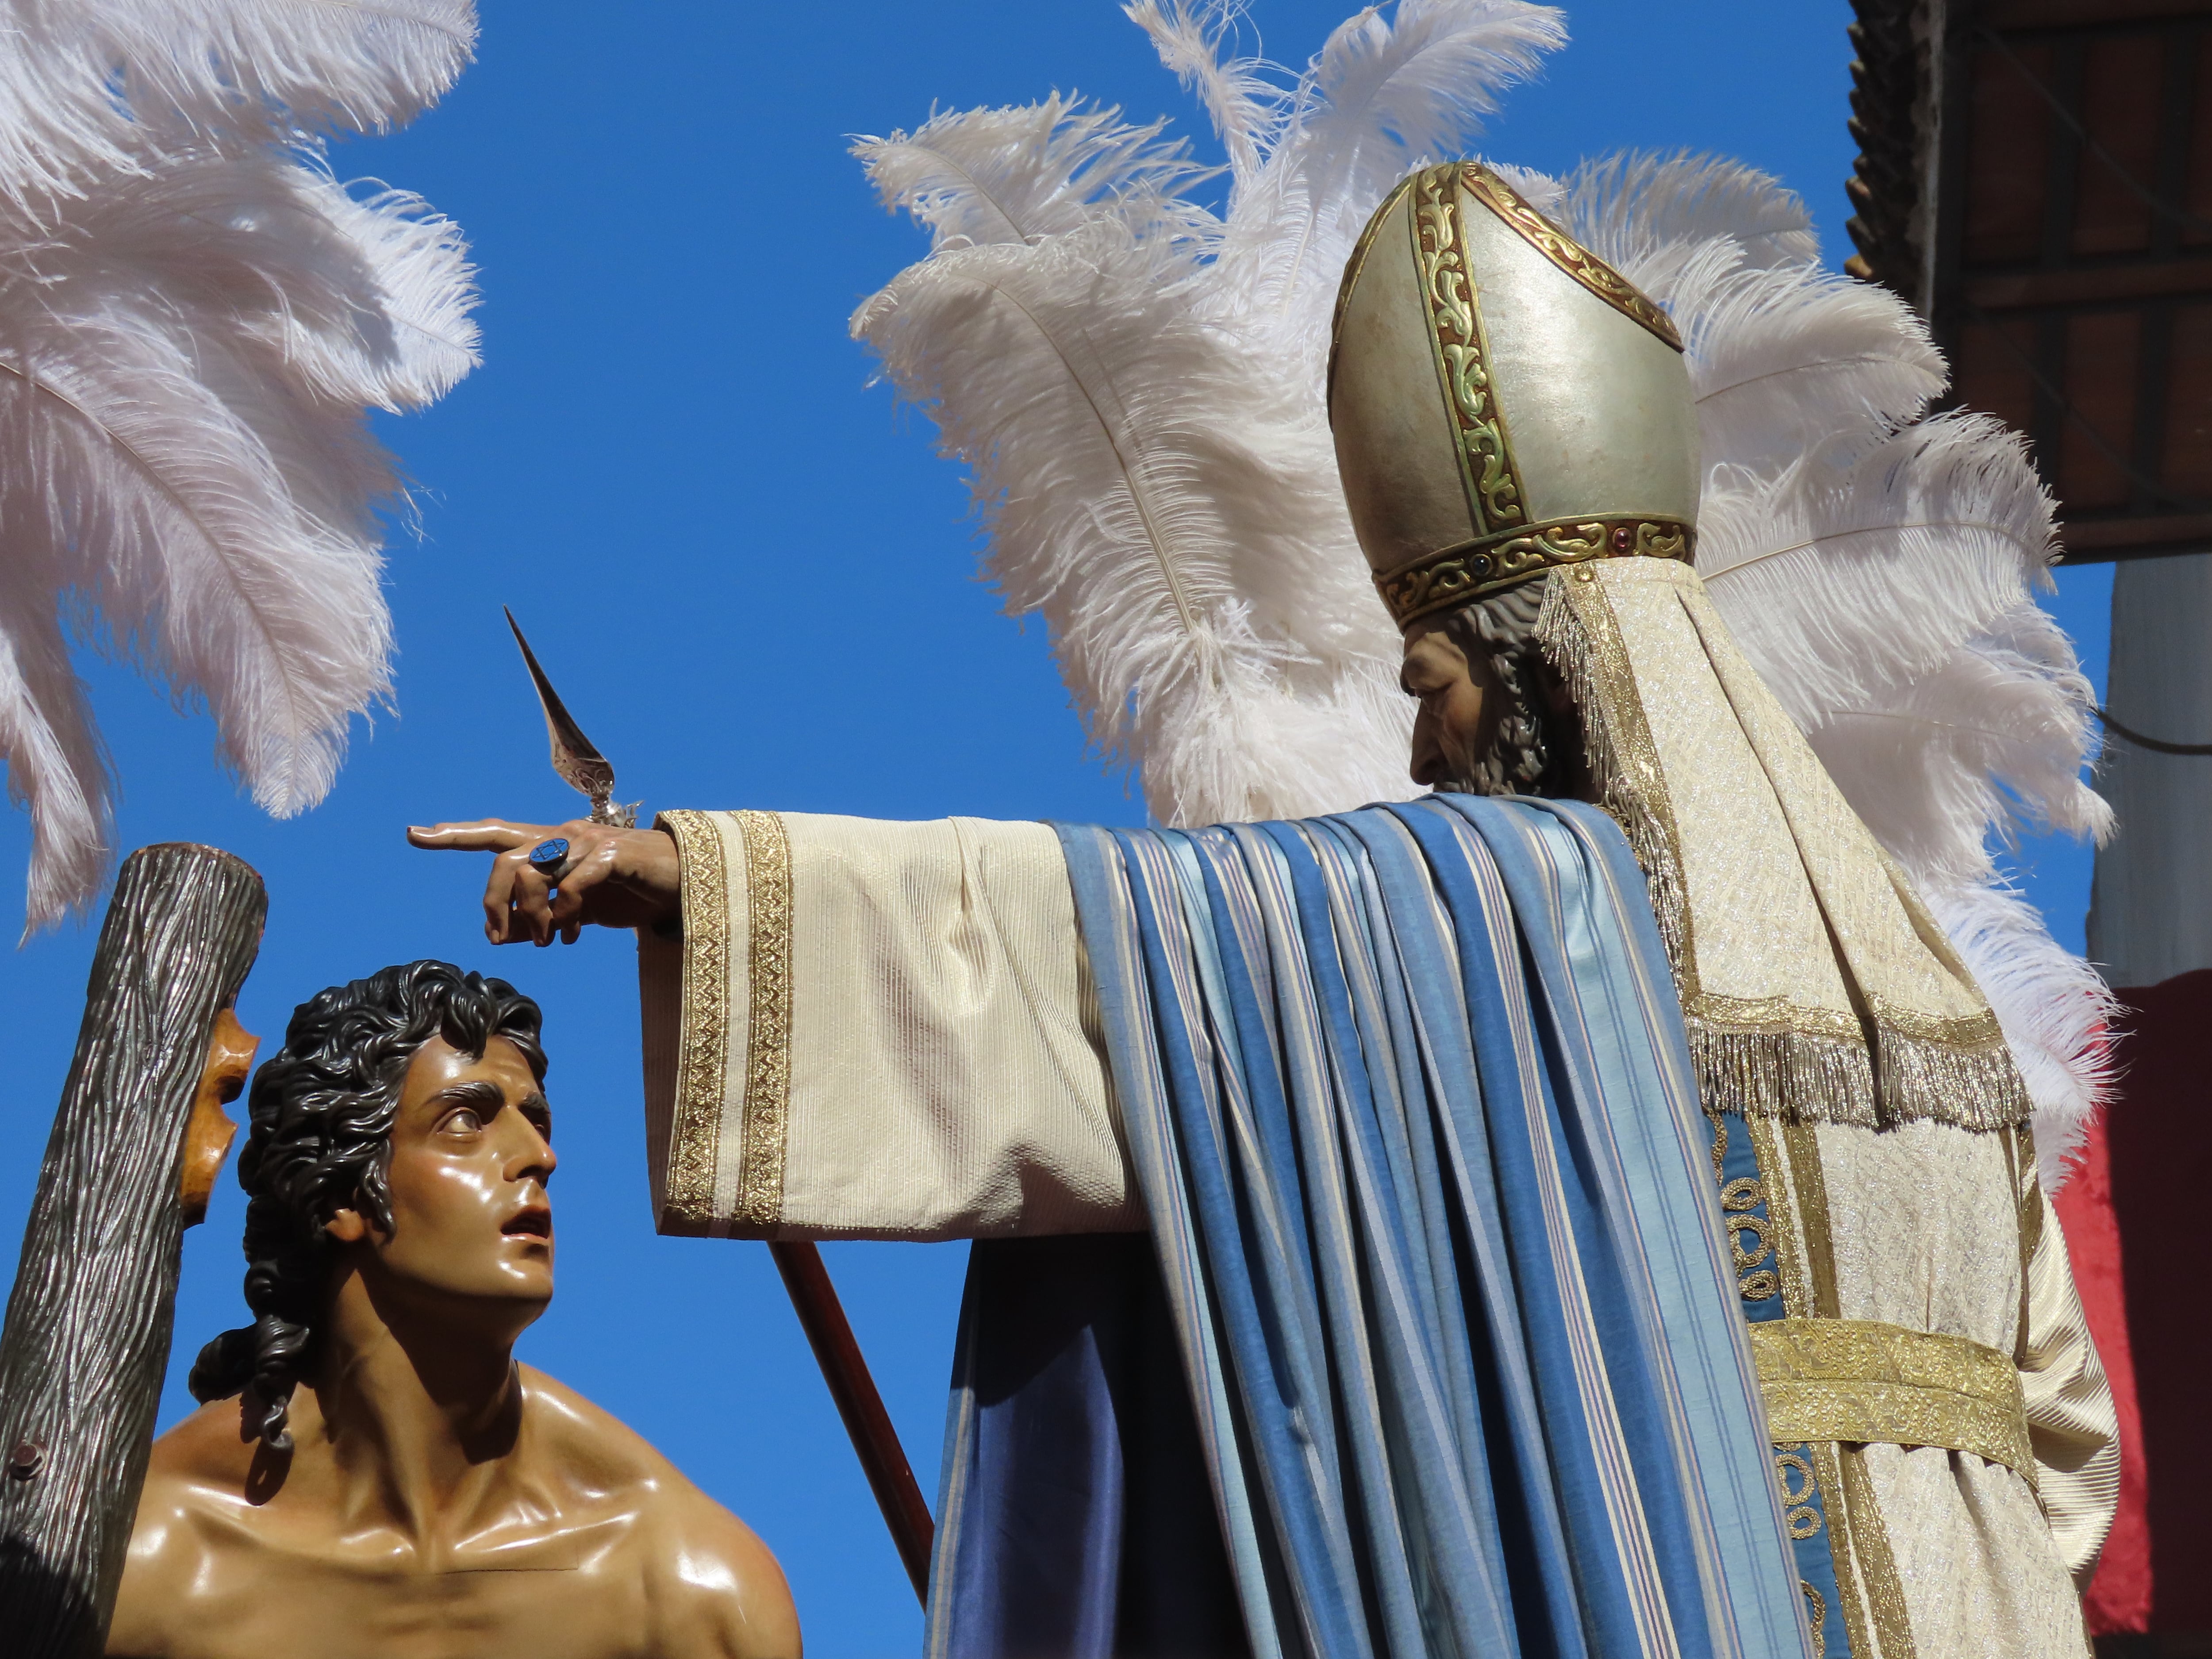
[(753, 581)]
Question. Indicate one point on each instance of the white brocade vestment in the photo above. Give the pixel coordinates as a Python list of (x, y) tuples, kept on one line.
[(887, 1030)]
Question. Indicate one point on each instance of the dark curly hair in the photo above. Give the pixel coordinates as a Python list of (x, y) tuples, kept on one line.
[(1528, 755), (320, 1139)]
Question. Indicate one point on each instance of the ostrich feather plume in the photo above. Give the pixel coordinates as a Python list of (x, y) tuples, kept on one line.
[(1132, 379), (1877, 567), (190, 334), (1134, 382), (90, 87)]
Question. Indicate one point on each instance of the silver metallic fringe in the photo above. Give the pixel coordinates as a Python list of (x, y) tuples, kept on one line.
[(1568, 649), (1793, 1075)]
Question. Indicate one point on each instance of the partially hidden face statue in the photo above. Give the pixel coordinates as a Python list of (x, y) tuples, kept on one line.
[(373, 1473)]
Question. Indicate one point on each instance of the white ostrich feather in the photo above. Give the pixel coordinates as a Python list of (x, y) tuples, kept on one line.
[(1846, 579), (88, 87), (364, 65), (1642, 212), (1134, 385), (190, 333), (405, 337), (2057, 1013), (1988, 741), (1382, 97), (1246, 104), (1013, 175), (1790, 360), (1149, 530)]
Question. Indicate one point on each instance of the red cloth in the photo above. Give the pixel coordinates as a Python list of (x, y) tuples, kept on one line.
[(2119, 1598), (2158, 1140)]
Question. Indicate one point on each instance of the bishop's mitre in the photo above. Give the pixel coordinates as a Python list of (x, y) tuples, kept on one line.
[(1504, 402)]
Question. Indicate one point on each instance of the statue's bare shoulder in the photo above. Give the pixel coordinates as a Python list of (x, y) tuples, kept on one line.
[(195, 1497), (712, 1584)]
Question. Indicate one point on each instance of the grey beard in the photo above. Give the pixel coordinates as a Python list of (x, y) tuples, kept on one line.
[(1487, 777)]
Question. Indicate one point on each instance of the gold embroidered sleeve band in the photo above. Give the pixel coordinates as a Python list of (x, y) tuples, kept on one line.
[(882, 1034), (702, 1056)]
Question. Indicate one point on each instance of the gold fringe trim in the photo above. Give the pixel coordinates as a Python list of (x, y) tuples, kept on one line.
[(1975, 1088), (1792, 1063), (1794, 1076)]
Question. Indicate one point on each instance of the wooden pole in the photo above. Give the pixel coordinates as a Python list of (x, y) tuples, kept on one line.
[(882, 1458), (86, 1337)]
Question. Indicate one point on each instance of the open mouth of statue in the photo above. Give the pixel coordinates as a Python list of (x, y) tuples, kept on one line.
[(532, 1223)]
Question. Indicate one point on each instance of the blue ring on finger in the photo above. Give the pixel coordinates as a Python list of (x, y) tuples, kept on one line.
[(549, 858)]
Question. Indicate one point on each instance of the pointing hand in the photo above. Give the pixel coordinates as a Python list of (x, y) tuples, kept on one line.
[(612, 878)]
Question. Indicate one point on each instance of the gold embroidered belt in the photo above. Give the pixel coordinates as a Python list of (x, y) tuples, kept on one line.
[(1861, 1381)]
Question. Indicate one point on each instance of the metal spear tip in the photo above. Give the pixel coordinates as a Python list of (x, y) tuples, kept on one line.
[(575, 757)]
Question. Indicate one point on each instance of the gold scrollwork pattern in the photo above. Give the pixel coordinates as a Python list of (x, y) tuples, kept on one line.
[(1743, 1203), (767, 1078), (1563, 251), (1454, 576), (1800, 1490), (1816, 1615), (1462, 355), (1862, 1382), (694, 1132)]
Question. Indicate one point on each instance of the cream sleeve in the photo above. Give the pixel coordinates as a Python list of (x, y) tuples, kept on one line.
[(872, 1029), (2071, 1423)]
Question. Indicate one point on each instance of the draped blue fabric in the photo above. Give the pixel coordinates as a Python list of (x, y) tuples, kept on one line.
[(1076, 1509), (1408, 1098)]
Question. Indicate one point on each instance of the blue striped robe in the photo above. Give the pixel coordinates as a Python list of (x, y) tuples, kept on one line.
[(1433, 1350)]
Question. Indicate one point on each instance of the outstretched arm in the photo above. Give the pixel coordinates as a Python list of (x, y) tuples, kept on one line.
[(859, 1029), (613, 878)]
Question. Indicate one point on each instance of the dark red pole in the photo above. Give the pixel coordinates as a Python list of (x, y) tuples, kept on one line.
[(884, 1460)]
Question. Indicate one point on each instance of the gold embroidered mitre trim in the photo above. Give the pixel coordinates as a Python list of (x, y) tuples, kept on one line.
[(1563, 251), (1457, 575), (1460, 347)]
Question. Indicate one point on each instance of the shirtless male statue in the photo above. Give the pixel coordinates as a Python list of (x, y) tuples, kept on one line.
[(373, 1473)]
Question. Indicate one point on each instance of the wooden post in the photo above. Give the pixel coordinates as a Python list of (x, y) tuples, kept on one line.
[(87, 1339)]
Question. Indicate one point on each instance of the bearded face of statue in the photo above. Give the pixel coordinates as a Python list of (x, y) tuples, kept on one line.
[(1493, 718), (1460, 701), (470, 1223)]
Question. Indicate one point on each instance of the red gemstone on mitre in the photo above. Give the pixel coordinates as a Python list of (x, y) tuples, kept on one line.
[(1623, 538)]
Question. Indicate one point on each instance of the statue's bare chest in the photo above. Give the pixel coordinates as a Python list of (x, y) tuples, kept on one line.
[(577, 1593)]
